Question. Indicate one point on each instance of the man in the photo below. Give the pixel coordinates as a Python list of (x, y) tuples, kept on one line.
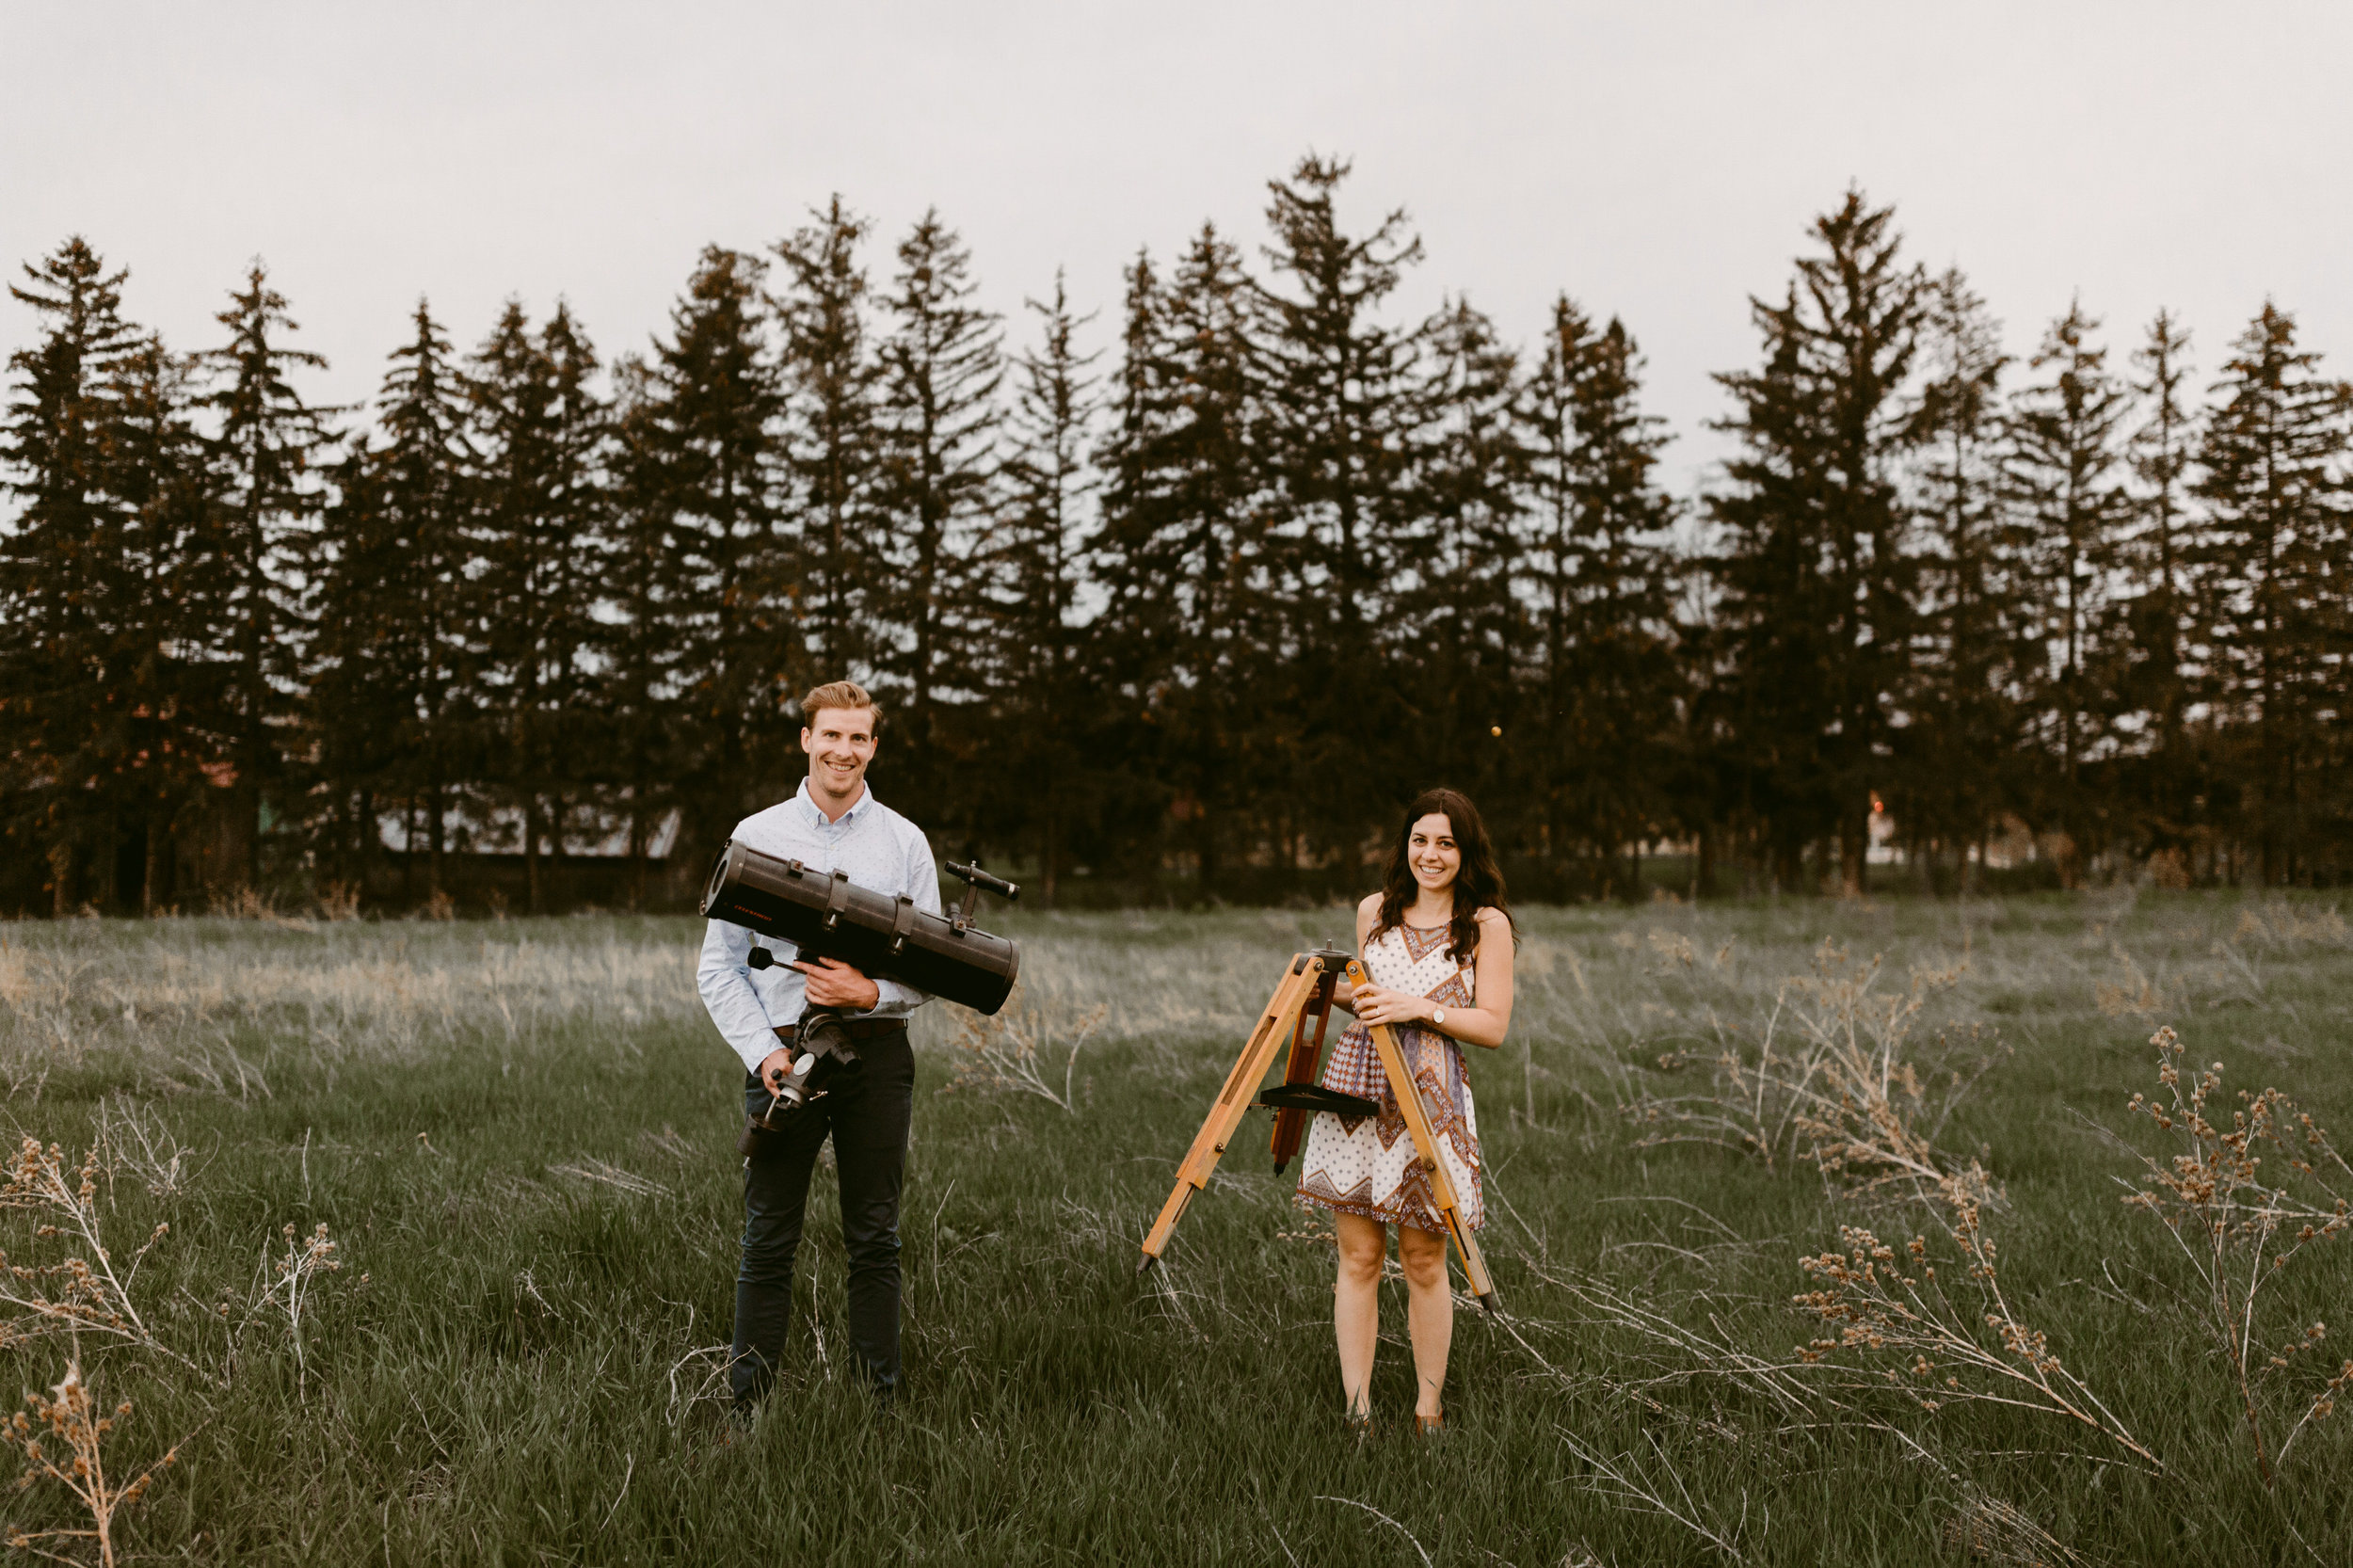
[(833, 823)]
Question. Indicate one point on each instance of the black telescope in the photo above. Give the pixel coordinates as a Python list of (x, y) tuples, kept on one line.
[(826, 915)]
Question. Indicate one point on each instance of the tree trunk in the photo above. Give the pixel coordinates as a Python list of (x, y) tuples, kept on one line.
[(1052, 858), (62, 878), (439, 815), (637, 852), (367, 842), (531, 850), (155, 887), (1205, 868), (1854, 836)]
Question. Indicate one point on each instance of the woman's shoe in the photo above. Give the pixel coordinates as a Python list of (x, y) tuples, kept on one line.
[(1358, 1423), (1430, 1426)]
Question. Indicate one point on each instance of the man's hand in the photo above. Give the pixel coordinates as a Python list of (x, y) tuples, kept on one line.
[(834, 984), (775, 1067)]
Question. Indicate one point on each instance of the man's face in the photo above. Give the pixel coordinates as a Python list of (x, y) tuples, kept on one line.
[(839, 742)]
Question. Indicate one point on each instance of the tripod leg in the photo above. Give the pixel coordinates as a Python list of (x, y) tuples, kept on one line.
[(1290, 1123), (1275, 1028), (1426, 1145)]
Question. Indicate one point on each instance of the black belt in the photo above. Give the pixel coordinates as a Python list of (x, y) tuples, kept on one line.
[(857, 1028)]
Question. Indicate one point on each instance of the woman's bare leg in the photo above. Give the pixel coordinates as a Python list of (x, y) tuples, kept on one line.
[(1428, 1313), (1356, 1305)]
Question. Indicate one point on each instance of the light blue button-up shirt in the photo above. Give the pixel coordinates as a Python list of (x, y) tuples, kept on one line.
[(880, 849)]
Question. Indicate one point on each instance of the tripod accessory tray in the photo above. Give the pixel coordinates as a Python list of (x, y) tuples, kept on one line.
[(1312, 1098)]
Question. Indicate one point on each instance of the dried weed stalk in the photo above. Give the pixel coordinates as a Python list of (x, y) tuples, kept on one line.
[(83, 1294), (1997, 1531), (1660, 1489), (92, 1292), (1805, 1391), (1005, 1051), (2239, 1228), (1835, 1078), (69, 1417), (604, 1172), (2280, 922), (134, 1139), (294, 1279), (2133, 993), (1900, 1310)]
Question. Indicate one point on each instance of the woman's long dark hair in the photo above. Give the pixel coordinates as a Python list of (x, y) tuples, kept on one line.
[(1478, 885)]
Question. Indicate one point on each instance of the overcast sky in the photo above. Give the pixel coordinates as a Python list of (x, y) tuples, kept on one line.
[(1656, 161)]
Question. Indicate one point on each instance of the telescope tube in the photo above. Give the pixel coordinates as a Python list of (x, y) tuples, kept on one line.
[(826, 915)]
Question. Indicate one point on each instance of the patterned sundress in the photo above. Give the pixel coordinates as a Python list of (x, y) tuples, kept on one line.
[(1366, 1164)]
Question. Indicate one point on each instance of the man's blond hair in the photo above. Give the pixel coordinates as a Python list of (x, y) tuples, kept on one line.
[(841, 694)]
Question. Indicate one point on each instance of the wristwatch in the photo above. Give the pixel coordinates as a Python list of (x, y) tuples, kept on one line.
[(1437, 1016)]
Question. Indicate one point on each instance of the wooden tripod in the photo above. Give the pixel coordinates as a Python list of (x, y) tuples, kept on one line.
[(1306, 992)]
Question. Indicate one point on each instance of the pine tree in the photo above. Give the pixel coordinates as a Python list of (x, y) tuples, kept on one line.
[(249, 566), (2274, 485), (2064, 449), (2158, 556), (363, 669), (941, 369), (714, 533), (1344, 409), (1963, 742), (1467, 631), (1814, 579), (425, 489), (1133, 636), (1035, 559), (1190, 627), (541, 535), (160, 481), (640, 656), (1600, 570), (67, 574), (832, 444)]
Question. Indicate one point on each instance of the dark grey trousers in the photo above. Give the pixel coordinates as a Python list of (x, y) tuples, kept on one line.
[(866, 1112)]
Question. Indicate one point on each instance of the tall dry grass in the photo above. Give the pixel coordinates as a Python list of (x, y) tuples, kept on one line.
[(518, 1131), (206, 1003)]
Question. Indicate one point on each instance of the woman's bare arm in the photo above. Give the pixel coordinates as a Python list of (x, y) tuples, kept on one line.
[(1491, 969)]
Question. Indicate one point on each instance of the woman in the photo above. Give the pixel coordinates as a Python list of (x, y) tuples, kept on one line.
[(1437, 943)]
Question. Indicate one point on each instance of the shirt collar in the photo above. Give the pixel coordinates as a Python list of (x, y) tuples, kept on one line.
[(817, 815)]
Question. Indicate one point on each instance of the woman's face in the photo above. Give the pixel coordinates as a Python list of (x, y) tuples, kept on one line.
[(1432, 854)]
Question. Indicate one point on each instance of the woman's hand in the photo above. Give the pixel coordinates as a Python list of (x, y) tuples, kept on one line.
[(1378, 1004)]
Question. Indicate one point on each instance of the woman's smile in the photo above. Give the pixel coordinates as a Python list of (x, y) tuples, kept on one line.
[(1431, 852)]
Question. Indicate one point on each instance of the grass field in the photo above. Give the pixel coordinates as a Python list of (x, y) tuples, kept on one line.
[(518, 1136)]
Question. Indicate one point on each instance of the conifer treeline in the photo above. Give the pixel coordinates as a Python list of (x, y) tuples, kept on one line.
[(1196, 609)]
